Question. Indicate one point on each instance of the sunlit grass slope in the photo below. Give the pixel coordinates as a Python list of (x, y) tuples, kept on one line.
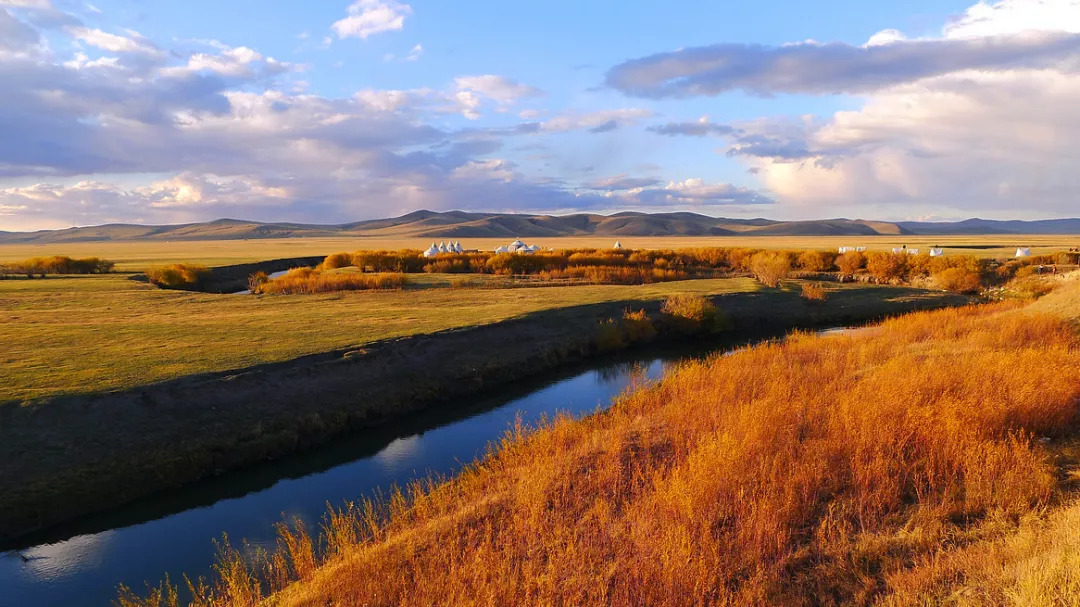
[(93, 333), (891, 466)]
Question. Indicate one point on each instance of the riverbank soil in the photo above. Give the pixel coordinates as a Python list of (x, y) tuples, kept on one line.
[(70, 455)]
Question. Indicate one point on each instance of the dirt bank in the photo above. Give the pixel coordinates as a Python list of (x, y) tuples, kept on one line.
[(76, 455)]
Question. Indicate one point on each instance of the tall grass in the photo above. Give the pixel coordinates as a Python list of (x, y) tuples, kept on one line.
[(57, 264), (818, 470)]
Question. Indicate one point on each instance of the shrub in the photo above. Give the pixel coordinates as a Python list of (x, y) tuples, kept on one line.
[(813, 293), (851, 262), (815, 261), (337, 260), (301, 281), (609, 336), (256, 280), (637, 326), (887, 267), (958, 280), (61, 264), (770, 268), (694, 313), (178, 276)]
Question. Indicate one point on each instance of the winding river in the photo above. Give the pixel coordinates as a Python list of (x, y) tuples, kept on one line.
[(82, 563)]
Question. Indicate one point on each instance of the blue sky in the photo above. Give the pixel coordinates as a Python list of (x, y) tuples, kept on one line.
[(335, 111)]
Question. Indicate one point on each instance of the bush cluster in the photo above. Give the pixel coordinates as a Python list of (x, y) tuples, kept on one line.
[(57, 264), (178, 276), (313, 280)]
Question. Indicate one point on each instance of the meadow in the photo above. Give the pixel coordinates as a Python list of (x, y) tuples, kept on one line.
[(141, 334), (137, 256), (932, 459)]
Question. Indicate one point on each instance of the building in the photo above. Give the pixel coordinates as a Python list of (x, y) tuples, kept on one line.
[(617, 246), (937, 252), (851, 250), (442, 247), (518, 247), (1023, 252)]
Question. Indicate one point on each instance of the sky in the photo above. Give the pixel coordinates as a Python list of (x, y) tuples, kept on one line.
[(329, 111)]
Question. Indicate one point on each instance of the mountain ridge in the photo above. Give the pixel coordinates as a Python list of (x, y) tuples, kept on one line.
[(463, 224)]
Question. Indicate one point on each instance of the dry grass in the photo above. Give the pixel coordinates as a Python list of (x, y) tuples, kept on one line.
[(813, 292), (850, 469), (137, 256)]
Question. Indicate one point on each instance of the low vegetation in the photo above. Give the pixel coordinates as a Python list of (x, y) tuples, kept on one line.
[(909, 465), (178, 276), (57, 264), (142, 334), (318, 280), (813, 292)]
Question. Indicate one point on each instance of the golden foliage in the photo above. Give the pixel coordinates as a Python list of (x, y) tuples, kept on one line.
[(828, 467), (309, 280), (178, 275)]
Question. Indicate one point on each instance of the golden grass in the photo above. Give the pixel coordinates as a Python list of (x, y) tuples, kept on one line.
[(106, 332), (851, 469), (308, 281), (137, 256)]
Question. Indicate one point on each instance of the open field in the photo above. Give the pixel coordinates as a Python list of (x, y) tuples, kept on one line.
[(137, 256), (930, 460), (93, 333)]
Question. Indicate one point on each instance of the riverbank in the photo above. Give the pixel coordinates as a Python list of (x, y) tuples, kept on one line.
[(79, 454)]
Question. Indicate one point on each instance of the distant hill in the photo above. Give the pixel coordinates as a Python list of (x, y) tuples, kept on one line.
[(460, 224)]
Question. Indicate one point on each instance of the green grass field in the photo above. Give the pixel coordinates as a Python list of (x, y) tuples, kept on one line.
[(93, 333), (136, 256)]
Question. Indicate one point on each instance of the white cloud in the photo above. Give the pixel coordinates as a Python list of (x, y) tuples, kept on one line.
[(369, 17), (969, 141), (114, 42)]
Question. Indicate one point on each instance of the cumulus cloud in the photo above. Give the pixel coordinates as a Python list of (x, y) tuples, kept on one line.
[(834, 68), (123, 129), (972, 140), (370, 17)]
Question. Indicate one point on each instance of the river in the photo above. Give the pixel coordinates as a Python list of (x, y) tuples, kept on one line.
[(82, 563)]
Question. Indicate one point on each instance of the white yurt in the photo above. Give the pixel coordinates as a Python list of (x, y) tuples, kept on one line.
[(457, 246), (937, 252), (432, 251), (1023, 252), (899, 249), (618, 245), (502, 250), (912, 251)]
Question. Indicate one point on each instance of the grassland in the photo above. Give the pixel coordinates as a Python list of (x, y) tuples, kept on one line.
[(135, 256), (96, 333), (930, 460)]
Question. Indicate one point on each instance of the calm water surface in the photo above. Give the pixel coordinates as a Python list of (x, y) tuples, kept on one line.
[(81, 564)]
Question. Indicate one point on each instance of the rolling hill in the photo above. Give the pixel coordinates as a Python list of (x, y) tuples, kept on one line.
[(461, 224)]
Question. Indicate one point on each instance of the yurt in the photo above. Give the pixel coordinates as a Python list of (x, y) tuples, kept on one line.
[(937, 252), (913, 251), (1023, 252), (432, 251), (617, 246)]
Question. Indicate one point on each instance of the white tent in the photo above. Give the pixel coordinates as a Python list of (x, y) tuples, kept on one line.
[(432, 251), (618, 245), (442, 247), (899, 249), (1023, 252), (936, 252), (502, 250), (912, 251), (852, 249), (457, 246)]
